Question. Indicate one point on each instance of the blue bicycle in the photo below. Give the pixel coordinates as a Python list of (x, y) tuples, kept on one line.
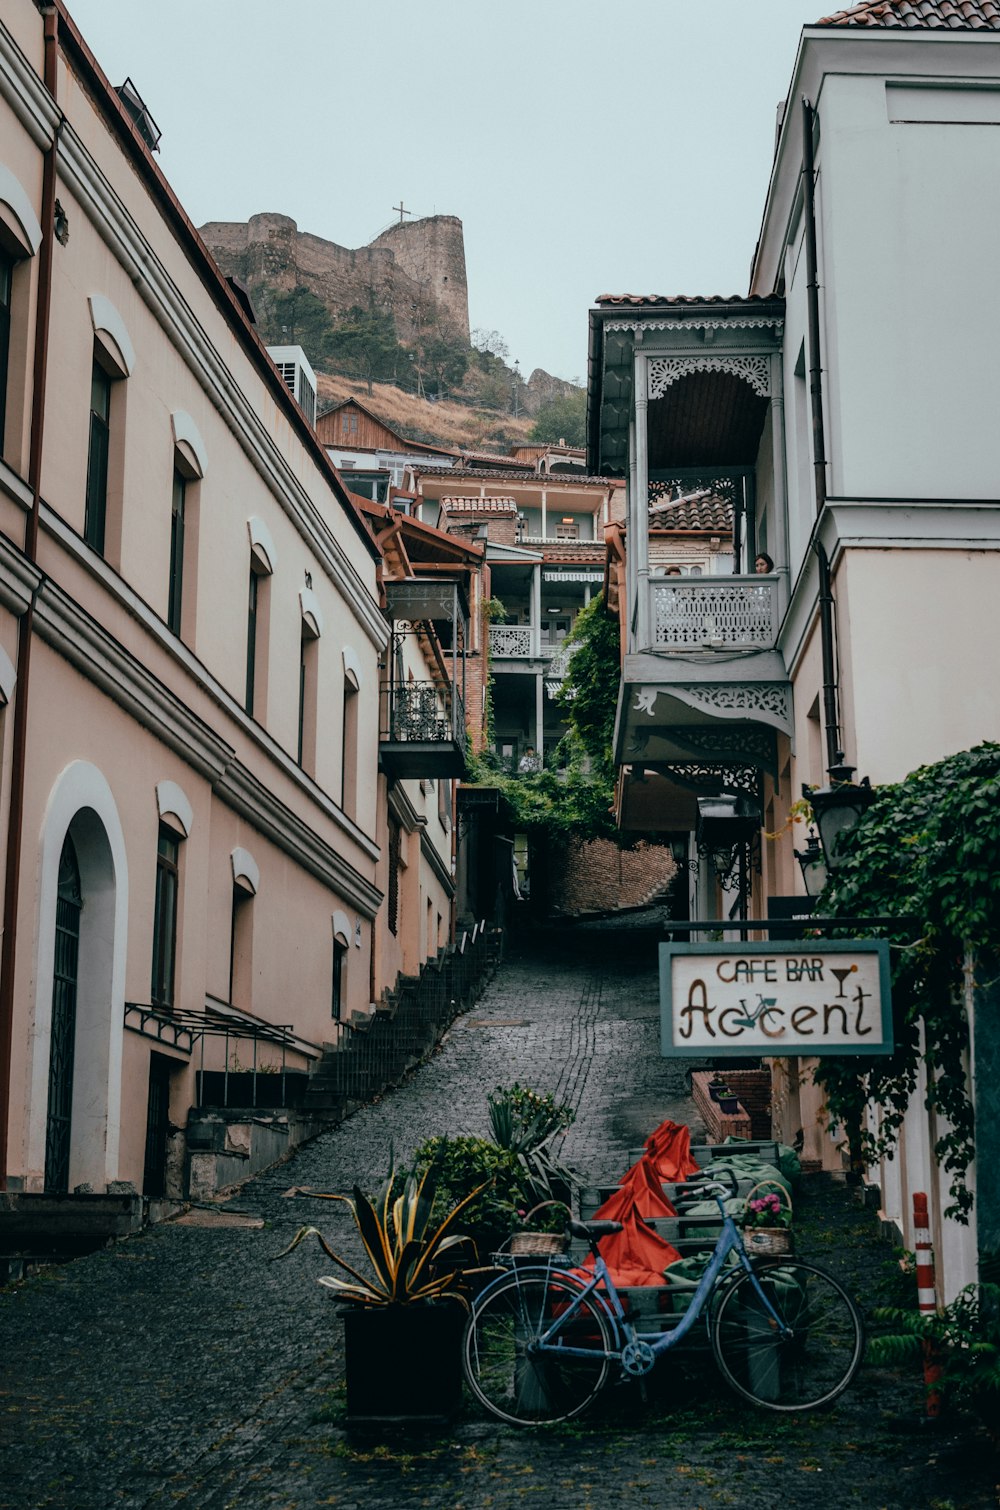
[(541, 1341)]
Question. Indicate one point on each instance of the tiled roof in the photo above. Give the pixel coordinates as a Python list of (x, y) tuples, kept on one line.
[(537, 480), (707, 512), (937, 15), (682, 300), (479, 505)]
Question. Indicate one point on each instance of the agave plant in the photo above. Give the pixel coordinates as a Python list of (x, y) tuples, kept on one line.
[(401, 1241), (526, 1122)]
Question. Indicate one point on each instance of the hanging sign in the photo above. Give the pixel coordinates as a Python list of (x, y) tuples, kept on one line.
[(812, 998)]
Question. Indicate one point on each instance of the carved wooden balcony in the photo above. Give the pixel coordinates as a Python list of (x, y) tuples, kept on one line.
[(423, 731), (713, 613)]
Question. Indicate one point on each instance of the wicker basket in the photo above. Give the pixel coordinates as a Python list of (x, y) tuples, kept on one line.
[(538, 1244), (764, 1242)]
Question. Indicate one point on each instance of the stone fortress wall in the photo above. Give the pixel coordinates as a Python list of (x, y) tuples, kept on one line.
[(404, 269)]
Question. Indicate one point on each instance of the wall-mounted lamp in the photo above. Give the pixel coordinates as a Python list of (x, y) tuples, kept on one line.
[(813, 865), (838, 807)]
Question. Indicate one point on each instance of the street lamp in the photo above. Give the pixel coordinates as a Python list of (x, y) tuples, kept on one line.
[(838, 807), (813, 866), (724, 823)]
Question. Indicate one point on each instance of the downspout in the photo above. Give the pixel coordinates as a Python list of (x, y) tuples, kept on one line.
[(19, 738), (831, 708)]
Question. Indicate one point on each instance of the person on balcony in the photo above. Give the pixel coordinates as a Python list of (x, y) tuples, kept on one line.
[(528, 761), (763, 563)]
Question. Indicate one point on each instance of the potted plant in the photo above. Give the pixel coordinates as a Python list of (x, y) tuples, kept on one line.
[(766, 1222), (403, 1322), (959, 1345), (717, 1088), (526, 1122)]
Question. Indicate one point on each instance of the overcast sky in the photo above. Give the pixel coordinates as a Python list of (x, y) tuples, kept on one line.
[(587, 147)]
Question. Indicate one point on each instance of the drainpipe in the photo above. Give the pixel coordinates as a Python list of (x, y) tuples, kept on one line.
[(12, 871), (831, 706)]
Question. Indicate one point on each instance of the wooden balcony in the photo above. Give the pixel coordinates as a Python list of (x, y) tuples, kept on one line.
[(422, 731), (713, 613)]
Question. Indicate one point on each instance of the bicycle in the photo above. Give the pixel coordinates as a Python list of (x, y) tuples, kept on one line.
[(540, 1342)]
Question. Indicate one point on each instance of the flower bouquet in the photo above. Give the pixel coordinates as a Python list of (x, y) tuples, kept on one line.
[(766, 1223)]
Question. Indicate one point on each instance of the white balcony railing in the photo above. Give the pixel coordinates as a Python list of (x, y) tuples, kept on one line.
[(517, 641), (716, 613), (511, 640)]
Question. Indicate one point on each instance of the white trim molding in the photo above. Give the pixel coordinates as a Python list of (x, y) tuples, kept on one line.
[(110, 331), (312, 616), (21, 221), (246, 872), (352, 668), (342, 930), (8, 676), (172, 803), (262, 546), (82, 799), (188, 442)]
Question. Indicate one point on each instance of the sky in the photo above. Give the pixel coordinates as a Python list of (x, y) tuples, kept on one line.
[(587, 147)]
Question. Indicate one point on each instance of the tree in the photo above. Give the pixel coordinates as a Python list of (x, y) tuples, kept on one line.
[(296, 317), (364, 344), (563, 417)]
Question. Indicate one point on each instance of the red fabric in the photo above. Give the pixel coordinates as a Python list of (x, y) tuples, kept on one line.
[(669, 1151), (640, 1193), (635, 1256)]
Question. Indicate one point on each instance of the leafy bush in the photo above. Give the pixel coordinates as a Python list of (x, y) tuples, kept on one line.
[(463, 1166), (964, 1338)]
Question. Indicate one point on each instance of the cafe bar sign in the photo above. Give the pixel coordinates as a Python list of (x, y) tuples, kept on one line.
[(811, 998)]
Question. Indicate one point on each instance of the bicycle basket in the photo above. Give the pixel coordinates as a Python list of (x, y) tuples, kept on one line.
[(538, 1244)]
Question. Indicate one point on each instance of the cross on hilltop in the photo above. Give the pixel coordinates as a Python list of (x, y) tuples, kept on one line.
[(401, 210)]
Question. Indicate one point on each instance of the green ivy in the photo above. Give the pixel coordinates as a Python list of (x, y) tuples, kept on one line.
[(927, 849)]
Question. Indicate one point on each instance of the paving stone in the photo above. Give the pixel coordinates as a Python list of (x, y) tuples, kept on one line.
[(184, 1367)]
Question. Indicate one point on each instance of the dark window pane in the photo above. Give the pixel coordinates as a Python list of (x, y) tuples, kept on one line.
[(6, 281), (251, 641), (165, 920), (97, 459), (176, 555), (339, 955)]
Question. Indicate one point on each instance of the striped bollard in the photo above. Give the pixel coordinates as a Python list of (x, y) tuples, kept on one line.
[(926, 1297)]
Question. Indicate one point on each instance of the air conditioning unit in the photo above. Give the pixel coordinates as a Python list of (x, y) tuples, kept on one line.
[(298, 377)]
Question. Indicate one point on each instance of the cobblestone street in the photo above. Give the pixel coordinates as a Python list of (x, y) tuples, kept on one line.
[(182, 1368)]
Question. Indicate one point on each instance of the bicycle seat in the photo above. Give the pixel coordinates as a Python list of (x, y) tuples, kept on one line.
[(591, 1231)]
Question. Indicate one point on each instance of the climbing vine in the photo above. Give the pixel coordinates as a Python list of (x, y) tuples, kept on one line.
[(928, 853)]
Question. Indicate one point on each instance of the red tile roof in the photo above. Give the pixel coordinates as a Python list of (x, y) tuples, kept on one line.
[(685, 299), (951, 15), (697, 512)]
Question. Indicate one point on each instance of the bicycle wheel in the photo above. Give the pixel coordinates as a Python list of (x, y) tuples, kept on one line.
[(807, 1361), (506, 1373)]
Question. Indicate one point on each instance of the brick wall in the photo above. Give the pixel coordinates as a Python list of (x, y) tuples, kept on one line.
[(599, 875)]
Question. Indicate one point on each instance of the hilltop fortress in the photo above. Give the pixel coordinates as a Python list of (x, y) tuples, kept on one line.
[(405, 269)]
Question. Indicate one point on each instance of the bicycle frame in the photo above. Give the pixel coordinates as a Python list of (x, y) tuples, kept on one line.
[(602, 1287)]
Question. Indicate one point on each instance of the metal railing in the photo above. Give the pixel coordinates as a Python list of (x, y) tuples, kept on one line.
[(714, 613), (377, 1053), (424, 712)]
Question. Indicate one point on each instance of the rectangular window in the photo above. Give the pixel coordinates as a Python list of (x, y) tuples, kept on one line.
[(241, 949), (337, 997), (567, 529), (349, 750), (252, 606), (6, 283), (308, 693), (392, 890), (176, 584), (165, 919), (95, 517)]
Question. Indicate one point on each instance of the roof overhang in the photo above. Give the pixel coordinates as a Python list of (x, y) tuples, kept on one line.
[(718, 347)]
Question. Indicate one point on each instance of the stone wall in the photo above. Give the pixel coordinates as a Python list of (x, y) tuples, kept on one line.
[(598, 875), (402, 270)]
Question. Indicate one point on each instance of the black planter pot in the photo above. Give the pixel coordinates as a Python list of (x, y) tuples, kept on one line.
[(404, 1363)]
